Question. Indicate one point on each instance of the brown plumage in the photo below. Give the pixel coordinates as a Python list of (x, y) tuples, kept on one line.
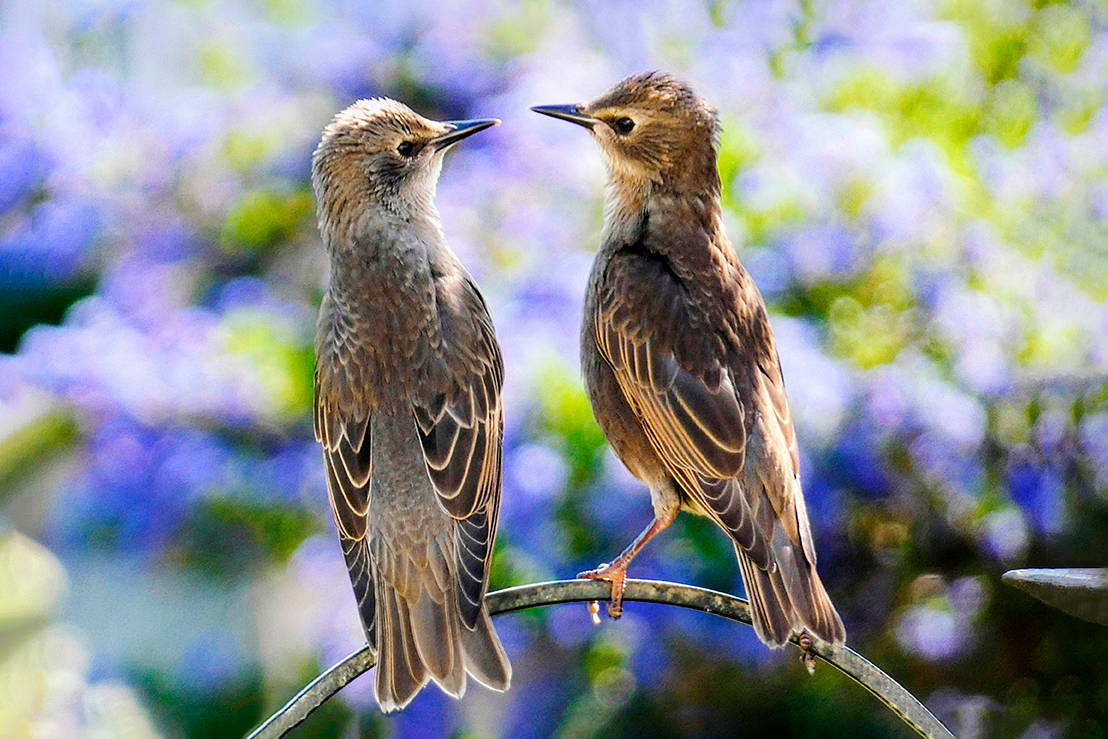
[(407, 403), (679, 359)]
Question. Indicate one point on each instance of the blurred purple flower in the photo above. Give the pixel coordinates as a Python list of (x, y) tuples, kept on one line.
[(543, 299), (448, 57), (212, 663), (534, 476), (170, 240), (900, 39), (136, 488), (761, 27), (537, 705), (292, 472), (930, 632), (190, 463), (942, 628), (985, 367), (431, 715), (822, 253), (569, 625), (888, 400), (1050, 157), (1005, 180), (650, 658), (1042, 728), (1094, 442), (1039, 491), (856, 463), (952, 415), (712, 636), (516, 635), (967, 597), (31, 83), (99, 98), (536, 472), (22, 168), (393, 23), (621, 511), (331, 54), (769, 268), (826, 495), (982, 245), (1003, 535), (53, 247), (915, 199), (821, 389), (984, 333), (147, 293), (1051, 428), (629, 30), (1098, 200), (958, 473)]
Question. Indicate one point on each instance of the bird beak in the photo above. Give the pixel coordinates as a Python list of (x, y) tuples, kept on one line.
[(571, 113), (461, 130)]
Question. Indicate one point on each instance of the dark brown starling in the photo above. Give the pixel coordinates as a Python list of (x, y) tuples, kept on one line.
[(407, 403), (679, 359)]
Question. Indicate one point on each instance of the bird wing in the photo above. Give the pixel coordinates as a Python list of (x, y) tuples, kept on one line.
[(461, 427), (346, 441), (718, 421)]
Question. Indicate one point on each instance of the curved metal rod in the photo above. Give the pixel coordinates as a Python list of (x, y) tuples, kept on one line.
[(865, 673)]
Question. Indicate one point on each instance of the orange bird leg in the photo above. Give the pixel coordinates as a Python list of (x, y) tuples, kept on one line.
[(615, 571)]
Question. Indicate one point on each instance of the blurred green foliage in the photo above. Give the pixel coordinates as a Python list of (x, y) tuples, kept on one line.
[(261, 218), (230, 538)]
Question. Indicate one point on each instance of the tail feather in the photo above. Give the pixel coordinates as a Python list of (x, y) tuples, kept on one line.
[(426, 640), (485, 657), (435, 628), (789, 599), (400, 673), (773, 622)]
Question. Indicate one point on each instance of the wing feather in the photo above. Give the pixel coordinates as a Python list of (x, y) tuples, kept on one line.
[(684, 385), (461, 430)]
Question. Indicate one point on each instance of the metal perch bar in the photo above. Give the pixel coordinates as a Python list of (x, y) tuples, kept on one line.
[(857, 667)]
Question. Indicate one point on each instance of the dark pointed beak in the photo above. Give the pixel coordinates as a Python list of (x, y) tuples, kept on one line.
[(571, 113), (462, 129)]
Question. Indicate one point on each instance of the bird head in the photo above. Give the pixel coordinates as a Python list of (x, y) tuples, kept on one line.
[(383, 150), (652, 129)]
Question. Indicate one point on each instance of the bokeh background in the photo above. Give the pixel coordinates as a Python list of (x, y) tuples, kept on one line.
[(919, 188)]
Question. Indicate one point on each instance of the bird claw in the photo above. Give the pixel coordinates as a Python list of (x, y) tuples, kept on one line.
[(596, 574), (809, 657), (617, 576)]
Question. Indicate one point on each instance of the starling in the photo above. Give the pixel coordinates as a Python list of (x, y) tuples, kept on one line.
[(679, 359), (408, 377)]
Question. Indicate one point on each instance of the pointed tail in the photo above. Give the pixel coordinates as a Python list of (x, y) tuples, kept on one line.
[(421, 637), (789, 599)]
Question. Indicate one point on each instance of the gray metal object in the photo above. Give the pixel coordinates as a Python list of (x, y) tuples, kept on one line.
[(1078, 592), (855, 666)]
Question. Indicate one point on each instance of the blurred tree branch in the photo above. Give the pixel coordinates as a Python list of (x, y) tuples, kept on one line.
[(861, 670)]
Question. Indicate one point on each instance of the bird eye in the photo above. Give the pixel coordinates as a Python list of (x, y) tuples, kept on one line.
[(623, 126), (406, 149)]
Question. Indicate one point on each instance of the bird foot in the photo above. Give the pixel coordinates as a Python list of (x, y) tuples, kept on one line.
[(616, 574), (809, 657)]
